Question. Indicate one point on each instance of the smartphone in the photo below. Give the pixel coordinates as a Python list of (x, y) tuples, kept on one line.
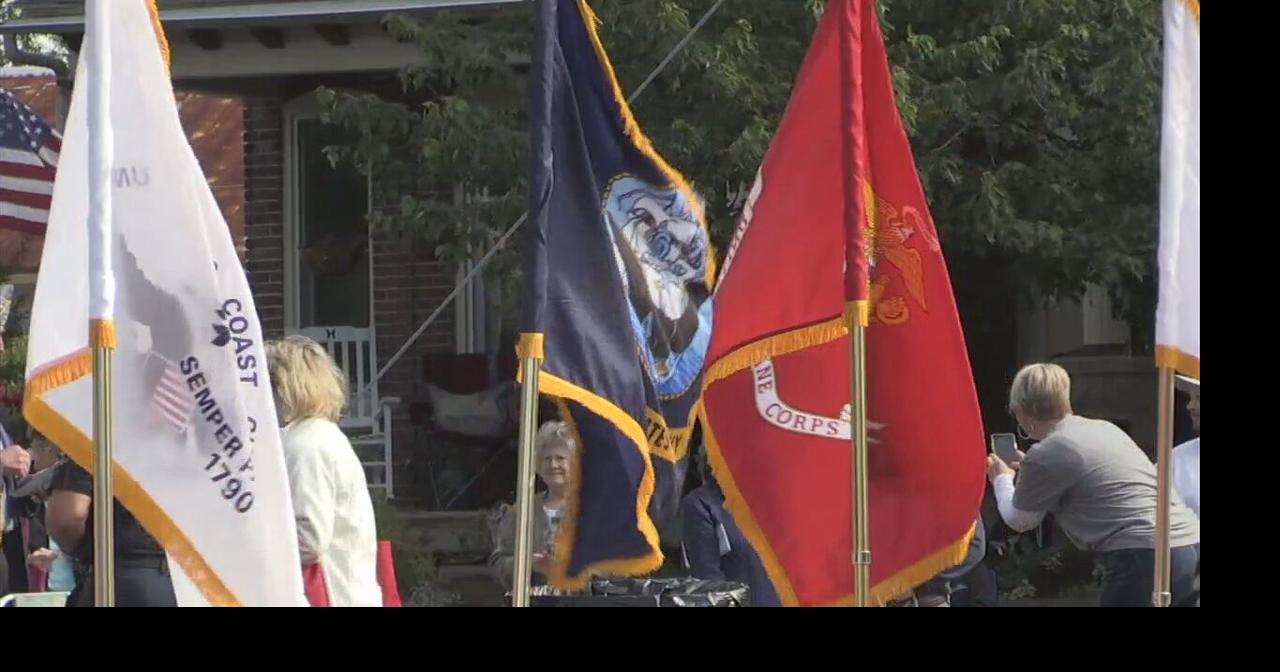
[(1005, 446)]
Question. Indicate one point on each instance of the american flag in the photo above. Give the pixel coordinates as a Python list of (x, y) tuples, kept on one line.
[(28, 160), (171, 399)]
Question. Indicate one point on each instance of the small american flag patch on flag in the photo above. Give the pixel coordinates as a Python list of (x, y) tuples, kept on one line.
[(170, 398)]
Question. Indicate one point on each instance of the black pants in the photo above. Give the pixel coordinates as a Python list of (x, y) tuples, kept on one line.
[(977, 588), (139, 583), (15, 563)]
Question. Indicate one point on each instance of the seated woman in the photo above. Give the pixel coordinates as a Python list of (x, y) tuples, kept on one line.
[(714, 547), (554, 449)]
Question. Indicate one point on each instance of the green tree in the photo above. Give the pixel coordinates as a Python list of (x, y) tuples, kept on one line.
[(1033, 122), (1035, 130), (44, 46), (462, 119)]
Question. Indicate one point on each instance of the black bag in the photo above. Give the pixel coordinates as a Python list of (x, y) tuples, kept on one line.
[(682, 592)]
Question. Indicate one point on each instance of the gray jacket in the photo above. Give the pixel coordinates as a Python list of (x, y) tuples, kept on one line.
[(502, 529)]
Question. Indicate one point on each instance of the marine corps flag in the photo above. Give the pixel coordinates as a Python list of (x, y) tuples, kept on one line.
[(777, 388), (617, 298)]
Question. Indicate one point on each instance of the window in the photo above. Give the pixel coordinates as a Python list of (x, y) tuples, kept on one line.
[(328, 230)]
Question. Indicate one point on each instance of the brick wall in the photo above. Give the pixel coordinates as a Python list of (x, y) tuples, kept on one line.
[(407, 286), (264, 209)]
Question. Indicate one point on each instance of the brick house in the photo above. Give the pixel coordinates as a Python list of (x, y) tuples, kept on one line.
[(266, 58), (245, 73)]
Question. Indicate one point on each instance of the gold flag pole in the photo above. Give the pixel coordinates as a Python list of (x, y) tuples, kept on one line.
[(101, 330), (530, 368), (1162, 595), (861, 508), (531, 355), (104, 584)]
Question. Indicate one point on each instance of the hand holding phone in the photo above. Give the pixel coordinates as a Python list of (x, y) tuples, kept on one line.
[(1005, 446)]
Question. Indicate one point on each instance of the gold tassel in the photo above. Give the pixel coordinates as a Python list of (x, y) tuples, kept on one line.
[(774, 346)]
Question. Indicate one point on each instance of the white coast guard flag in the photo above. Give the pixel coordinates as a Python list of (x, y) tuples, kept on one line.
[(197, 449), (1178, 312)]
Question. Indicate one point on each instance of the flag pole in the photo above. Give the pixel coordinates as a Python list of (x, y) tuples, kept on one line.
[(857, 311), (101, 293), (531, 355), (530, 368), (104, 593), (1162, 596), (861, 513)]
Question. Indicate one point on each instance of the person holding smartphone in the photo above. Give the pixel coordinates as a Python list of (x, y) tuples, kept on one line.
[(1100, 487)]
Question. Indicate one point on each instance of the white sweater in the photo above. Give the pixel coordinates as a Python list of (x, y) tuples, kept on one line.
[(1186, 473), (334, 512)]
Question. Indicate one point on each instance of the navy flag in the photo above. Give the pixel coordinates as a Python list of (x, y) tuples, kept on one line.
[(618, 276)]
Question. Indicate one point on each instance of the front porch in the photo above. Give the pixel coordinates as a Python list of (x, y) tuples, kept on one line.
[(314, 263), (433, 430)]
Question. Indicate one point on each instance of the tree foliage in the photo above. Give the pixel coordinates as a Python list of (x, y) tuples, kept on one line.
[(1033, 121)]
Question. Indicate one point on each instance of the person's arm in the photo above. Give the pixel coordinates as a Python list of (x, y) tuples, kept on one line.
[(1185, 481), (69, 505), (502, 560), (42, 558), (1015, 518), (314, 488), (1002, 484), (15, 460)]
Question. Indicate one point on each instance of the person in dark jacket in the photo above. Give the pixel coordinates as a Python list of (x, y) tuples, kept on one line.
[(968, 584), (716, 550)]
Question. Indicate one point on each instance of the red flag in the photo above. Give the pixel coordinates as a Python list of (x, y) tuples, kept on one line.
[(777, 391), (855, 161)]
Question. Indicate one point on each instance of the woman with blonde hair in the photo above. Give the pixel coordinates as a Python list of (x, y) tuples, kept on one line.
[(331, 503), (1100, 487), (554, 447)]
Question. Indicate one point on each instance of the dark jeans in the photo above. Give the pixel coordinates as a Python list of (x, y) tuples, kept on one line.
[(977, 588), (139, 583), (15, 562), (1128, 576)]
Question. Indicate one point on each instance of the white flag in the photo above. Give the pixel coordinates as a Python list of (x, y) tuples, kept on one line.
[(1178, 311), (196, 441)]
